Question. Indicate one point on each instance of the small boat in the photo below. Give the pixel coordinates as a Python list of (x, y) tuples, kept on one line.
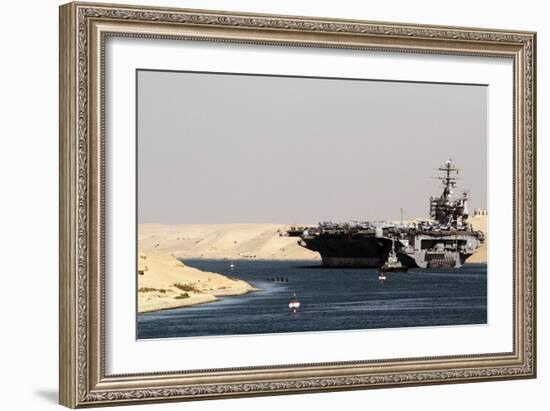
[(381, 277), (294, 304), (232, 266), (393, 264)]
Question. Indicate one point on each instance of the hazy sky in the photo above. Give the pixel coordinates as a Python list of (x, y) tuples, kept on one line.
[(218, 148)]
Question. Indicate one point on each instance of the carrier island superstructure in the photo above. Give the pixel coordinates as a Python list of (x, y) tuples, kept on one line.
[(446, 239)]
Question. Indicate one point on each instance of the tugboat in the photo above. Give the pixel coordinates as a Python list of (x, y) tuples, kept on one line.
[(294, 304), (393, 264)]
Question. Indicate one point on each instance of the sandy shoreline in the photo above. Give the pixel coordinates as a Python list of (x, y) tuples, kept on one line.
[(165, 283)]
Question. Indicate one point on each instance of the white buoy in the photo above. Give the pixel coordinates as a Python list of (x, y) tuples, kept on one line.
[(294, 304)]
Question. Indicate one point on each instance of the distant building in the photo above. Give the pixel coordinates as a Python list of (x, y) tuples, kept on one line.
[(479, 212)]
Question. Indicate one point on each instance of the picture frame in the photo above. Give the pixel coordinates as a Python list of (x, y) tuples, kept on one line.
[(84, 31)]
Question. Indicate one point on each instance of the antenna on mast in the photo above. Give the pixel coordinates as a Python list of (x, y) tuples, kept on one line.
[(443, 209), (449, 178)]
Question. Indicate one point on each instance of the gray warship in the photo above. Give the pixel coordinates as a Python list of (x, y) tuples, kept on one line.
[(446, 239)]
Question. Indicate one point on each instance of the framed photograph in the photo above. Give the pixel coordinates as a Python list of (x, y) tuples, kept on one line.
[(260, 204)]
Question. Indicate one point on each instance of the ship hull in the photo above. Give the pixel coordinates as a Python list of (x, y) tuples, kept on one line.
[(351, 261), (370, 251), (349, 251)]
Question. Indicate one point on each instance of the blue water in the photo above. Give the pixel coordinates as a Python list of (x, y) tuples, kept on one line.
[(331, 299)]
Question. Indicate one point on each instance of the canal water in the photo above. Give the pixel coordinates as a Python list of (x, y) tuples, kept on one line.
[(331, 299)]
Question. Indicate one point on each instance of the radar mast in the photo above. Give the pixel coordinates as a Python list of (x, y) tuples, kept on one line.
[(443, 209)]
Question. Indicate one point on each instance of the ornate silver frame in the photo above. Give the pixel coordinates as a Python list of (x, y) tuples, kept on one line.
[(83, 30)]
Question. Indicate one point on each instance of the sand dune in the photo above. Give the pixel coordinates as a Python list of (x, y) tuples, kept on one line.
[(231, 241), (164, 282)]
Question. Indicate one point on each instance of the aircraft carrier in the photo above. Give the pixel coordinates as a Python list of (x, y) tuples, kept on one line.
[(446, 239)]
